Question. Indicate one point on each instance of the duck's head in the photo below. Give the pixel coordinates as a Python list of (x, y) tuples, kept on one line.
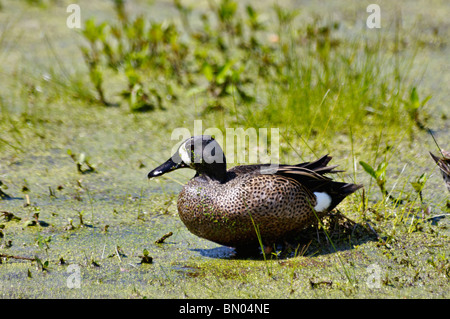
[(201, 153)]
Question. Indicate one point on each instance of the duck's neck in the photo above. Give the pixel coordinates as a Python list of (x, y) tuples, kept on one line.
[(214, 171)]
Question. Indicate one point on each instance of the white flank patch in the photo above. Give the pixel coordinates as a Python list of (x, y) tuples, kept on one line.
[(323, 201), (185, 156)]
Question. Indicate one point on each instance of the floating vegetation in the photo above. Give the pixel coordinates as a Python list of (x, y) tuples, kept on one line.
[(146, 258), (82, 162)]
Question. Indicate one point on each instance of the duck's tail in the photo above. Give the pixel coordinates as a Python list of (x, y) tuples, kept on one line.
[(337, 192)]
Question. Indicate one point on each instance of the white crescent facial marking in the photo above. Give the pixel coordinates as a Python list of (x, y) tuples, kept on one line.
[(184, 154), (323, 201)]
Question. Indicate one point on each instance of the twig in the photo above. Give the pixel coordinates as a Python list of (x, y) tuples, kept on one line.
[(163, 238), (17, 257)]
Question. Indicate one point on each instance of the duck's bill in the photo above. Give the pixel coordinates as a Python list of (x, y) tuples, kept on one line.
[(168, 166)]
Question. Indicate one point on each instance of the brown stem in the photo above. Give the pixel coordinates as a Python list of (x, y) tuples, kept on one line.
[(17, 257)]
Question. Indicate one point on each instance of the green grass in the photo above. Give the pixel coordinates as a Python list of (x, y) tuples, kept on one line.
[(309, 72)]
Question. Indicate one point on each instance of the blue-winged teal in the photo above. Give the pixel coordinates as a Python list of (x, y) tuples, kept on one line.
[(227, 207), (444, 165)]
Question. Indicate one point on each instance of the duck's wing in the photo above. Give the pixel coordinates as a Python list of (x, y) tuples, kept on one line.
[(307, 177), (311, 176), (320, 166), (321, 162), (444, 165)]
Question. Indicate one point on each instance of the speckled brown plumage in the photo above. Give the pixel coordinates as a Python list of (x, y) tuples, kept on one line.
[(223, 212), (232, 208)]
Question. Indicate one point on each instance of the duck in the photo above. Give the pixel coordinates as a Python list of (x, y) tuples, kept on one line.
[(250, 205), (444, 166)]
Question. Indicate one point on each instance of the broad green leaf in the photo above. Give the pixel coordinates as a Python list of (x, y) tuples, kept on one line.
[(420, 183), (414, 99), (381, 170), (368, 169)]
